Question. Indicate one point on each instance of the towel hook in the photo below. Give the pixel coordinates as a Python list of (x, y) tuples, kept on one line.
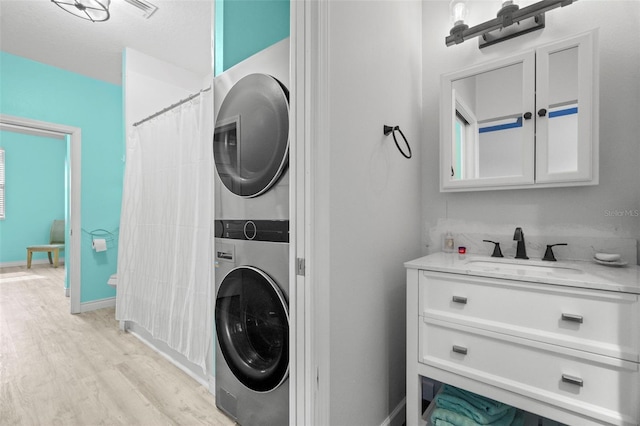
[(388, 129)]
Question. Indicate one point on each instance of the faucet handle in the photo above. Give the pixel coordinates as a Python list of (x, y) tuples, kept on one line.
[(548, 254), (496, 248), (518, 234)]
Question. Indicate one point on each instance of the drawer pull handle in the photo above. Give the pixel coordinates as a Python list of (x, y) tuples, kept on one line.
[(460, 299), (572, 380), (460, 349), (572, 318)]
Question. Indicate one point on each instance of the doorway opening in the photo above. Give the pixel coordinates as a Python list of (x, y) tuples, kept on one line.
[(73, 138)]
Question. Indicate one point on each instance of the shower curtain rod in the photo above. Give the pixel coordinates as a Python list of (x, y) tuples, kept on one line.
[(169, 108)]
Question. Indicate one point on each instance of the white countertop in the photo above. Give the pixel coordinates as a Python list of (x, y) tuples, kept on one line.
[(625, 279)]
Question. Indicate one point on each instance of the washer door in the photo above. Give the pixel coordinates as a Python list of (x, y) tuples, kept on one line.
[(252, 325), (251, 139)]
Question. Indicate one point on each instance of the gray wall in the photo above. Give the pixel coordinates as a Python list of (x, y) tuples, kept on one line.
[(372, 217), (582, 211)]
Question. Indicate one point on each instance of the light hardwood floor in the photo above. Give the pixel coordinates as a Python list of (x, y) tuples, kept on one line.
[(63, 369)]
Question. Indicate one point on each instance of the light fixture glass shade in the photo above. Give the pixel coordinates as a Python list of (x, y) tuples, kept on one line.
[(458, 11), (92, 10)]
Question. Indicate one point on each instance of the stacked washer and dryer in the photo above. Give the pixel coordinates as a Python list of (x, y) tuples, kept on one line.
[(250, 148)]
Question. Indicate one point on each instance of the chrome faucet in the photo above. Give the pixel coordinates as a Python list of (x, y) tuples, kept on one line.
[(521, 250)]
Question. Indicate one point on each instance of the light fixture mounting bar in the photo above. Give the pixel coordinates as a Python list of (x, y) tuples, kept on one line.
[(535, 12), (523, 26)]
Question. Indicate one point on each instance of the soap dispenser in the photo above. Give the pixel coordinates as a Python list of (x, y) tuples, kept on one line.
[(447, 243)]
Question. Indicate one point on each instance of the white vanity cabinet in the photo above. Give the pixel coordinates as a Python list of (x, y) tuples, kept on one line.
[(528, 120), (564, 352)]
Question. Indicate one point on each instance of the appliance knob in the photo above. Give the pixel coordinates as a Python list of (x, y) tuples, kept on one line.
[(218, 228), (250, 230)]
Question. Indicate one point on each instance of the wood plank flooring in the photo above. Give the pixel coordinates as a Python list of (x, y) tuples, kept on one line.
[(63, 369)]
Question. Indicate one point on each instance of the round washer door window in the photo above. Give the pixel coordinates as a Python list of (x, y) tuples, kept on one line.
[(251, 138), (252, 325)]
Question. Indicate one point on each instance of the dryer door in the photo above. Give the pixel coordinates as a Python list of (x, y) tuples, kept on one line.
[(252, 325), (251, 139)]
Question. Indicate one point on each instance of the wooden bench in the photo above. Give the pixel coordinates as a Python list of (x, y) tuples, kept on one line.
[(49, 248)]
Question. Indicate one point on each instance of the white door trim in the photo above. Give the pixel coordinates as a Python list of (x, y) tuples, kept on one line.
[(310, 177), (299, 395), (42, 128)]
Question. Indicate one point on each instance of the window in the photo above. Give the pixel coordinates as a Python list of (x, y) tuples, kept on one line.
[(1, 183)]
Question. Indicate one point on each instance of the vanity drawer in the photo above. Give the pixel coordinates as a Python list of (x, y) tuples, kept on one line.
[(602, 387), (589, 320)]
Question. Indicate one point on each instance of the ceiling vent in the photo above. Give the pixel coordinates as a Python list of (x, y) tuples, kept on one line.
[(146, 9)]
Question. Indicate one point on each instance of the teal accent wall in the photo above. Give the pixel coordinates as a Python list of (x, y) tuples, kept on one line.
[(35, 192), (37, 91), (245, 27)]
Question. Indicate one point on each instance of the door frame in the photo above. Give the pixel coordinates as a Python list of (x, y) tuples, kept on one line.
[(43, 128), (301, 368), (309, 207)]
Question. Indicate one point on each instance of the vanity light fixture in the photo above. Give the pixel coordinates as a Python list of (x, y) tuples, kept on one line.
[(91, 10), (511, 21), (458, 12)]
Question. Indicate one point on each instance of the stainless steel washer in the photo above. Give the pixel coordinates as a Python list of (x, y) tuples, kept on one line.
[(252, 321)]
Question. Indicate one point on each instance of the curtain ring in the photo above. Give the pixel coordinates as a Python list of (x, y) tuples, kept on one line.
[(388, 129)]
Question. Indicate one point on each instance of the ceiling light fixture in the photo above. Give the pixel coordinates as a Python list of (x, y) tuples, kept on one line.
[(91, 10), (501, 28)]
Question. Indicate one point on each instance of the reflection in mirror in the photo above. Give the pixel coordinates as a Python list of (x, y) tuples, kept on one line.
[(562, 153), (488, 138)]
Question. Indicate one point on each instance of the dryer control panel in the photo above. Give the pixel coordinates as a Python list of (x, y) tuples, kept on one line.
[(255, 230)]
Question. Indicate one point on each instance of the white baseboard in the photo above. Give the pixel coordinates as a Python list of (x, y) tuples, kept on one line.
[(398, 415), (24, 263), (174, 357), (98, 304)]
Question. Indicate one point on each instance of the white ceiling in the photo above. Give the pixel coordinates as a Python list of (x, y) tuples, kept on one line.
[(179, 32)]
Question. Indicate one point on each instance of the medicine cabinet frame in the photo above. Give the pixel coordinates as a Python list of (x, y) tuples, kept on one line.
[(538, 90)]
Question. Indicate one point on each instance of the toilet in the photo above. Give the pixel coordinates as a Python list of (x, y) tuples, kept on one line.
[(113, 281)]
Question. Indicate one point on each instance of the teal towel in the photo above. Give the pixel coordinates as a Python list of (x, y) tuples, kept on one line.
[(479, 409), (518, 420), (477, 402), (444, 417)]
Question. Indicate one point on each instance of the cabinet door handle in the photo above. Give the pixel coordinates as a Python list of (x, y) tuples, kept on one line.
[(527, 116), (542, 112), (572, 380), (459, 349), (460, 299), (572, 318)]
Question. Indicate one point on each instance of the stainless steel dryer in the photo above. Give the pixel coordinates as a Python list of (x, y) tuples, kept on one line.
[(252, 321), (251, 138)]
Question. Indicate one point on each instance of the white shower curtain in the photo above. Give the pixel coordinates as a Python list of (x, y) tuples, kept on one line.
[(164, 252)]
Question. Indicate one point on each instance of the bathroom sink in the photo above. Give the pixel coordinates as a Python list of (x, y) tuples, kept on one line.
[(521, 266)]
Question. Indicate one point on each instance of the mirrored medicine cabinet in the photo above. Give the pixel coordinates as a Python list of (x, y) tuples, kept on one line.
[(526, 121)]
